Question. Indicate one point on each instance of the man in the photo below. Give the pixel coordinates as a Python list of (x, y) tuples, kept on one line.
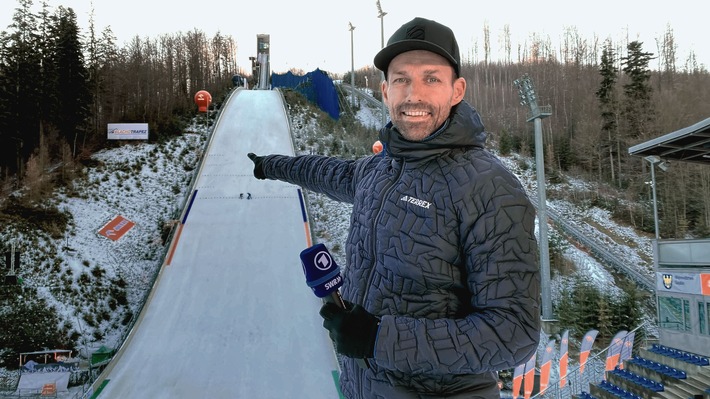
[(441, 283)]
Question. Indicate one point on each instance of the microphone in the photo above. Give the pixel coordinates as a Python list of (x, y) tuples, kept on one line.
[(323, 276)]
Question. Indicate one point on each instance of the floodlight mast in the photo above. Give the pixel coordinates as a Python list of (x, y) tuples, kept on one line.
[(381, 15), (655, 160), (352, 64), (528, 97)]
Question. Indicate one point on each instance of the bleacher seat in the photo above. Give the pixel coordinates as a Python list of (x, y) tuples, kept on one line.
[(688, 357), (661, 368), (639, 380), (618, 391)]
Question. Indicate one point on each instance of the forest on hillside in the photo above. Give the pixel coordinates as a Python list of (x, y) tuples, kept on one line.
[(59, 87)]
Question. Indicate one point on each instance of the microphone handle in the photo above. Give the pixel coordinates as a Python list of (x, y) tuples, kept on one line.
[(337, 299)]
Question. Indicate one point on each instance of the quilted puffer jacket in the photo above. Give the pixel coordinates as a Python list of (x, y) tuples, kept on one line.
[(442, 249)]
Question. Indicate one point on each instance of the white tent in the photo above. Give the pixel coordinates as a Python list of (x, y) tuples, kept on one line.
[(36, 382)]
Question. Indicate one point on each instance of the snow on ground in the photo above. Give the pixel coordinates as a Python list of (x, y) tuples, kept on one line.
[(144, 182)]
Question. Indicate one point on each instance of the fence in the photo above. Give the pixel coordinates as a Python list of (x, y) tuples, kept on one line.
[(579, 380)]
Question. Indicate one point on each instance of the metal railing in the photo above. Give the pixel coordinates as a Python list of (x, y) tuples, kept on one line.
[(599, 251), (578, 380)]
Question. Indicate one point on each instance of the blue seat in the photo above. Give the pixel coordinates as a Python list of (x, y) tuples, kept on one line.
[(688, 357)]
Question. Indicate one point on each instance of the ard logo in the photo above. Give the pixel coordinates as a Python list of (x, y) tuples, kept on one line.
[(668, 281)]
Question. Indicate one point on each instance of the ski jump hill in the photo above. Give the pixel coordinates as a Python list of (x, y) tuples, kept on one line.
[(230, 315)]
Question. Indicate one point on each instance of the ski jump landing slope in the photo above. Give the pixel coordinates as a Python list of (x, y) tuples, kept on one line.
[(231, 315)]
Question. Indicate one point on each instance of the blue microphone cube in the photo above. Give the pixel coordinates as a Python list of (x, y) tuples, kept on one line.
[(321, 271)]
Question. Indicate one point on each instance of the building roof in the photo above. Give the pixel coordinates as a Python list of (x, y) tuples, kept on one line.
[(690, 144)]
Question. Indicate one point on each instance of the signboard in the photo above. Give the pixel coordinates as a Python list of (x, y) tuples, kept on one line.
[(128, 131), (116, 228), (684, 283)]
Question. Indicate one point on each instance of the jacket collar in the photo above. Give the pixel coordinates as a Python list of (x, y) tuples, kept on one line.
[(463, 128)]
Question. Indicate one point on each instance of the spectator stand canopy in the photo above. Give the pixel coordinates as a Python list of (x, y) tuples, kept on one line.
[(690, 144), (682, 266)]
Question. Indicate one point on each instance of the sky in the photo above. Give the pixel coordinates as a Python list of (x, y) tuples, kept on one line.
[(310, 34)]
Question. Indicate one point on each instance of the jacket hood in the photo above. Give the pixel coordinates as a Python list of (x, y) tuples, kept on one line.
[(463, 128)]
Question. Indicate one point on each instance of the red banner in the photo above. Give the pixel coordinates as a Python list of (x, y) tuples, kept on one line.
[(116, 228), (564, 358)]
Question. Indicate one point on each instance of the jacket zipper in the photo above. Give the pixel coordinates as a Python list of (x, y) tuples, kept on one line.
[(387, 191)]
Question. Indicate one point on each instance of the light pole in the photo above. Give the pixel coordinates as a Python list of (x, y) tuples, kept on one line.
[(352, 65), (381, 15), (655, 160), (528, 97)]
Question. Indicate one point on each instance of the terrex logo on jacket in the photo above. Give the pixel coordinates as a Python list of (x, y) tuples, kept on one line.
[(416, 201)]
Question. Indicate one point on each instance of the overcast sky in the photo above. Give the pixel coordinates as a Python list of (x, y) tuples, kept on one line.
[(311, 34)]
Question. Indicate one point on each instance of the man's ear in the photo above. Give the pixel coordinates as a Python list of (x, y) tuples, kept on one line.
[(459, 90), (383, 88)]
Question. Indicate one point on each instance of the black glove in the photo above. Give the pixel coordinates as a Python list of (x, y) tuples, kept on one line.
[(258, 167), (353, 330)]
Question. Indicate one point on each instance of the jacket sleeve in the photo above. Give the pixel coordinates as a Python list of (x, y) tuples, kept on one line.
[(330, 176), (501, 329)]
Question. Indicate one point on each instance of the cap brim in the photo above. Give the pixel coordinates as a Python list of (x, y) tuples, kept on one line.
[(387, 54)]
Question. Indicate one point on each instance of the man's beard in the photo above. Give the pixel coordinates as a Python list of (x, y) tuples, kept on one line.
[(415, 130)]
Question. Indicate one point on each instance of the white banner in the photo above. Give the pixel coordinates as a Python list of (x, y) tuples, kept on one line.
[(128, 131), (685, 283)]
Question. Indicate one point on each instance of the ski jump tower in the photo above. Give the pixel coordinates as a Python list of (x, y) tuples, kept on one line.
[(263, 61)]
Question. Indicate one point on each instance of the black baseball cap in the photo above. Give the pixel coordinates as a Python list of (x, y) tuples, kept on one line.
[(420, 34)]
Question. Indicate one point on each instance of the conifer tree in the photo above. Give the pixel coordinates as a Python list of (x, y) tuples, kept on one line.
[(565, 309), (20, 97), (586, 297), (608, 106), (638, 109), (70, 86), (628, 314), (604, 317)]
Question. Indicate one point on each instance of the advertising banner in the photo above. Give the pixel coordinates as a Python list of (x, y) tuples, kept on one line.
[(614, 352), (116, 228), (518, 380), (128, 131), (587, 343), (529, 377), (546, 365), (627, 349), (564, 358)]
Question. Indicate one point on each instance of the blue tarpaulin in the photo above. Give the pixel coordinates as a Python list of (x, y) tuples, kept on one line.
[(316, 86)]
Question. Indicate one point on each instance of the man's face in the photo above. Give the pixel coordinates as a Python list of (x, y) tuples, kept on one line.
[(419, 91)]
